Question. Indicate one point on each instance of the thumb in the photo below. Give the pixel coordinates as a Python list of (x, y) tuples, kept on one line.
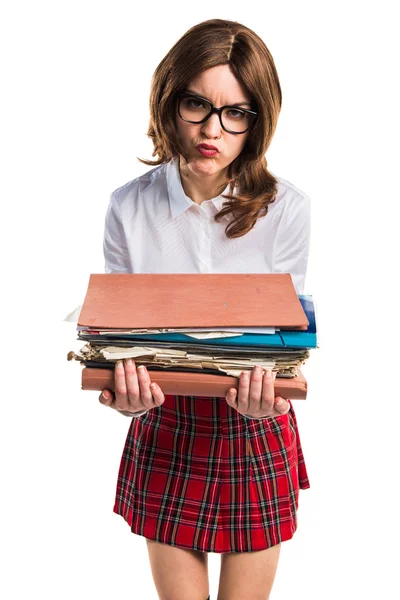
[(106, 397), (281, 405)]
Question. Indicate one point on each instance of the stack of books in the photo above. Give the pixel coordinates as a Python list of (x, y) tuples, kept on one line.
[(195, 333)]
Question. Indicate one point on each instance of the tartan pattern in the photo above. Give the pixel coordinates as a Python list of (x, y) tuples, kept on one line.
[(196, 474)]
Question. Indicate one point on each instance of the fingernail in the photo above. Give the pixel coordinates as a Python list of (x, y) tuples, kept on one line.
[(106, 395), (245, 375), (119, 364), (274, 374), (269, 372), (280, 402), (129, 362)]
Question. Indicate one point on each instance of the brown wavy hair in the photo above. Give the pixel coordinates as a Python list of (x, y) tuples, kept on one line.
[(205, 45)]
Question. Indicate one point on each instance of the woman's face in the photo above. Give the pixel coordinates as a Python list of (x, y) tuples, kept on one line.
[(220, 87)]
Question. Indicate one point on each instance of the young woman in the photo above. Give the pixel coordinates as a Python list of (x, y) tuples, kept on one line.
[(198, 474)]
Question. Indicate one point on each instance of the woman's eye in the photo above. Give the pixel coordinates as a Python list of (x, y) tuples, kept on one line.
[(236, 114), (195, 103)]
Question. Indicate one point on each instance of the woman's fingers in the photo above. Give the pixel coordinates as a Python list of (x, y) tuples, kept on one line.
[(255, 391), (150, 394), (134, 389), (132, 386), (268, 393), (256, 395), (120, 387), (144, 383), (241, 401)]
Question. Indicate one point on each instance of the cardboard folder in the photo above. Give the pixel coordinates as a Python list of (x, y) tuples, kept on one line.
[(129, 301)]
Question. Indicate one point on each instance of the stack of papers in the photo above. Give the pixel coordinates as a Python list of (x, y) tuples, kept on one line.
[(170, 327)]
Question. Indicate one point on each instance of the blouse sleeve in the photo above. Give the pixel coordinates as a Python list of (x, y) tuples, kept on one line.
[(293, 242), (126, 413), (115, 248)]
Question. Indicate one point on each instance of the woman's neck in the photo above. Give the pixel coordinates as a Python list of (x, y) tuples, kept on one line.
[(199, 187)]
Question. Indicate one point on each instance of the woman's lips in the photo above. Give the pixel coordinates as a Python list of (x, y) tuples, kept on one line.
[(206, 152)]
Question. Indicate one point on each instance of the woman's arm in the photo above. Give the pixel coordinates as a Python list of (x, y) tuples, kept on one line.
[(115, 248), (293, 241), (116, 256)]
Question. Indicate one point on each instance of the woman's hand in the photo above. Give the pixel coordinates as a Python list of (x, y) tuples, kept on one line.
[(134, 390), (256, 397)]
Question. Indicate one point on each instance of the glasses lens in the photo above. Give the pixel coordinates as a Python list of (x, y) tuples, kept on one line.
[(235, 119), (193, 109)]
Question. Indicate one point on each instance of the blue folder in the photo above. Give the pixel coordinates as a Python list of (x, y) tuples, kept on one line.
[(279, 339)]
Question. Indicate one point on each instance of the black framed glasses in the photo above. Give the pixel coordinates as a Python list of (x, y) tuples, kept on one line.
[(195, 109)]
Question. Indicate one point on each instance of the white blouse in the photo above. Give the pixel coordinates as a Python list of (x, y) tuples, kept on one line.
[(151, 226)]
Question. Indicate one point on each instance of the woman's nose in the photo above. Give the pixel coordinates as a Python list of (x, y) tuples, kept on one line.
[(212, 127)]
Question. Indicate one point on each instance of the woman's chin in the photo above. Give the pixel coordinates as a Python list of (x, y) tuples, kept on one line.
[(203, 164)]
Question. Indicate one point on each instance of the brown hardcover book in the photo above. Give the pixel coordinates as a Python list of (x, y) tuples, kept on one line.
[(193, 384)]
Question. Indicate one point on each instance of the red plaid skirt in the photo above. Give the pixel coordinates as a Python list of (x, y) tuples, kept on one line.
[(195, 473)]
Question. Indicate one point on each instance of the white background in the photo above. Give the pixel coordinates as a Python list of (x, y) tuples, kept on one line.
[(76, 81)]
